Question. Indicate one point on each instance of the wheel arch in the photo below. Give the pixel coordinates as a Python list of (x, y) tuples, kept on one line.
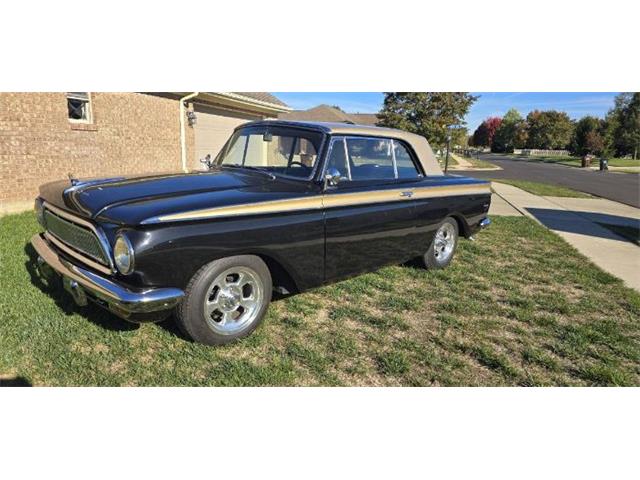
[(280, 275), (463, 226)]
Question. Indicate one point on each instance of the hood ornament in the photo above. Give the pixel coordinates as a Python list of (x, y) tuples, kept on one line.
[(74, 181)]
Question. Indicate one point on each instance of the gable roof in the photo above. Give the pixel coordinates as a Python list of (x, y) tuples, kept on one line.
[(365, 118), (321, 113), (264, 97), (262, 102), (327, 113)]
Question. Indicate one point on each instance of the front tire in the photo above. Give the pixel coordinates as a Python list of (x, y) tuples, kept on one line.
[(225, 300), (443, 246)]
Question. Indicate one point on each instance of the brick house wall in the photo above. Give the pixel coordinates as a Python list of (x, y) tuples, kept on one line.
[(130, 133)]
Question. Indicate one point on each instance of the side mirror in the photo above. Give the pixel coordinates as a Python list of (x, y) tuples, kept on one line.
[(332, 177), (207, 161)]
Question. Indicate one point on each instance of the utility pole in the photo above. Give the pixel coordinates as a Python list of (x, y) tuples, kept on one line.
[(446, 161)]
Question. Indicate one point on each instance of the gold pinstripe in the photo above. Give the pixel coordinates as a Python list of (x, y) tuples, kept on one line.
[(327, 201)]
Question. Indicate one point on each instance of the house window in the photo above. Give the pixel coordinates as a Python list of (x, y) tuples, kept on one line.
[(79, 107)]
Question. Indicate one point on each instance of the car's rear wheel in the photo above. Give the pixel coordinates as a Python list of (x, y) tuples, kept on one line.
[(443, 246), (225, 300)]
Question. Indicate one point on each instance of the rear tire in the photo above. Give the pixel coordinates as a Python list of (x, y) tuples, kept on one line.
[(225, 300), (443, 246)]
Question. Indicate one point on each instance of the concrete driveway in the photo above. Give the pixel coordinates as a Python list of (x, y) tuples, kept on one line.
[(619, 187)]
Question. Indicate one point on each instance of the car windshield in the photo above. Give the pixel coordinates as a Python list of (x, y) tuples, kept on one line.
[(277, 150)]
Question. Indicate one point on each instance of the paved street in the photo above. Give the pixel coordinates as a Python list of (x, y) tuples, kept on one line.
[(620, 187)]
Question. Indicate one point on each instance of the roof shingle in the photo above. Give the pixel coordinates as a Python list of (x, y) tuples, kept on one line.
[(327, 113), (263, 97)]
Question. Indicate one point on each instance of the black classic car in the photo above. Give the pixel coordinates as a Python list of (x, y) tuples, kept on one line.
[(285, 207)]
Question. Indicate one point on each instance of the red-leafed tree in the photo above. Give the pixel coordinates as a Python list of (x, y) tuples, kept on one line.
[(483, 136)]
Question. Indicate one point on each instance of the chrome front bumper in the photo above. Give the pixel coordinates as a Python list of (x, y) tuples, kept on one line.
[(83, 284)]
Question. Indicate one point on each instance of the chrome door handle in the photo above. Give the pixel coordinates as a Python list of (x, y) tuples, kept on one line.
[(406, 194)]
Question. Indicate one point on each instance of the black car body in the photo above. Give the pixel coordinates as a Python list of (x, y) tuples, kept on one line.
[(307, 230)]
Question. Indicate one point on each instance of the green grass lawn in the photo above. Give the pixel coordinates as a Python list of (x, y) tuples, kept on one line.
[(452, 161), (477, 163), (543, 188), (518, 306)]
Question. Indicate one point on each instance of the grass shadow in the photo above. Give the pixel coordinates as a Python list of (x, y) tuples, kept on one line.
[(170, 325), (53, 288)]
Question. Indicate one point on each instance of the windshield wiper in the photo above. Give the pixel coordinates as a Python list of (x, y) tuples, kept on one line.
[(249, 167)]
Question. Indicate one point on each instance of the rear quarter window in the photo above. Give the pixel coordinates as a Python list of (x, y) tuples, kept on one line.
[(405, 162)]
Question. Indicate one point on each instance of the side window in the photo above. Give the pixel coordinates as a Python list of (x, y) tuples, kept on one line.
[(370, 159), (337, 158), (404, 162)]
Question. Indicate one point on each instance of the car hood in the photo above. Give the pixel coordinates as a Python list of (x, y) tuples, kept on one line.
[(128, 200)]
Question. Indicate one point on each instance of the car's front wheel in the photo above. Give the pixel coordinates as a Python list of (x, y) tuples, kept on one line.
[(443, 246), (225, 300)]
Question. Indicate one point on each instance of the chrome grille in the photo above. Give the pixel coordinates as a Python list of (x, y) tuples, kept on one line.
[(79, 238)]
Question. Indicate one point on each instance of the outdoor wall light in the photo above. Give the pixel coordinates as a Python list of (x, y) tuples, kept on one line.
[(192, 118)]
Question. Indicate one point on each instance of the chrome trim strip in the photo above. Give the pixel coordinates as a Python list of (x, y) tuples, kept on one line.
[(102, 239), (84, 259), (393, 156), (333, 200), (117, 296), (346, 158)]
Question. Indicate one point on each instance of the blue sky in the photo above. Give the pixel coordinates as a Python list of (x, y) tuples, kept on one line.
[(489, 104)]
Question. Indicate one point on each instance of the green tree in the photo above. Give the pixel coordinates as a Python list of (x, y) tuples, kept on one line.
[(549, 130), (589, 136), (609, 133), (511, 133), (430, 114), (624, 131), (459, 137)]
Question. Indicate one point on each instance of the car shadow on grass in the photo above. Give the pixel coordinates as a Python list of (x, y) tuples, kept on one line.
[(170, 325), (64, 301), (15, 382)]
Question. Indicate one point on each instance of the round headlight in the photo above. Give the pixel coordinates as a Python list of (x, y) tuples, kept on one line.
[(123, 255)]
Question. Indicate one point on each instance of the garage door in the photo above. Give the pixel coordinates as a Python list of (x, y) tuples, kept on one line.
[(213, 128)]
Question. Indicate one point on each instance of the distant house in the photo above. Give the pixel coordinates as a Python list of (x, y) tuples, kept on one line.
[(327, 113), (46, 136)]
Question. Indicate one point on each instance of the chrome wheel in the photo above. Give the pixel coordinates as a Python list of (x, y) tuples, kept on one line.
[(233, 300), (444, 242)]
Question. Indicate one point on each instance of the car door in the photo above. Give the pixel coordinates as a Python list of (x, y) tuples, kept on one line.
[(370, 219)]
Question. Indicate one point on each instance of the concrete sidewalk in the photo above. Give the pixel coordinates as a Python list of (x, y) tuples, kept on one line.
[(579, 221), (464, 164)]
